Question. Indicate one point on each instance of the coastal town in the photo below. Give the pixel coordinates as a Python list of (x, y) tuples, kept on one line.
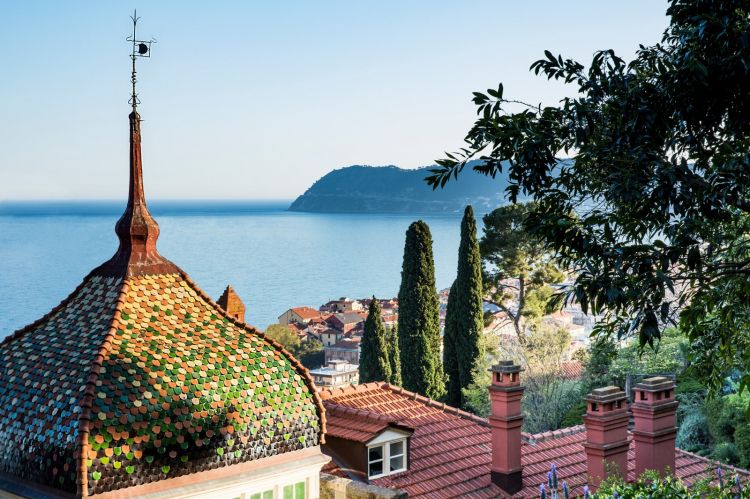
[(338, 325)]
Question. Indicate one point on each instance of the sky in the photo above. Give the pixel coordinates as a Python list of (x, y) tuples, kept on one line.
[(257, 100)]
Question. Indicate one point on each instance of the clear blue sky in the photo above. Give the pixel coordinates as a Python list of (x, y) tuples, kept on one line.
[(256, 100)]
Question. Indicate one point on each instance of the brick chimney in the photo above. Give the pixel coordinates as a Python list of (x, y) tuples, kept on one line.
[(607, 440), (655, 431), (506, 421), (232, 304)]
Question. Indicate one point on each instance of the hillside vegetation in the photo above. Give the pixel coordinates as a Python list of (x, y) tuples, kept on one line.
[(389, 189)]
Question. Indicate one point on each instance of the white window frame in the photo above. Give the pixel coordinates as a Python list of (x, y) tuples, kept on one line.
[(386, 459)]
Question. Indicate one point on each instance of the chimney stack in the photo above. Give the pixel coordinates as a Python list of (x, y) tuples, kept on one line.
[(506, 421), (654, 410), (607, 442), (232, 304)]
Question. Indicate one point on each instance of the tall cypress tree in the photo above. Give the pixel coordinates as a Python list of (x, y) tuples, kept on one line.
[(468, 302), (450, 355), (419, 316), (374, 364), (394, 355)]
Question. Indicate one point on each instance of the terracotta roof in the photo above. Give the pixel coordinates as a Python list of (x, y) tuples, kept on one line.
[(359, 425), (450, 449), (306, 312), (571, 369)]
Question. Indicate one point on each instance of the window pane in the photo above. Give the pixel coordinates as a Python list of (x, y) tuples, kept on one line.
[(299, 490), (268, 494), (376, 453), (376, 468), (397, 463), (397, 448), (255, 496), (288, 492)]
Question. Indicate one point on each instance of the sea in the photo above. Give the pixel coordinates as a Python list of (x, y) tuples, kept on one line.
[(275, 259)]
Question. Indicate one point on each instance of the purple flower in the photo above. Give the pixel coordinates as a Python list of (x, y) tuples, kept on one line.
[(542, 492), (566, 492), (553, 472), (586, 492)]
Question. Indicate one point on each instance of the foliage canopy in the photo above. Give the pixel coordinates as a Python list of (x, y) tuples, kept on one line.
[(652, 209), (517, 266)]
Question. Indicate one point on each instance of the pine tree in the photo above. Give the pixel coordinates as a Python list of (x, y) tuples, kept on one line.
[(394, 355), (374, 364), (468, 312), (450, 355), (419, 316)]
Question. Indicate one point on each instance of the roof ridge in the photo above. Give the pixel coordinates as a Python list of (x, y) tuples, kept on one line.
[(84, 418), (537, 438), (302, 370), (442, 406), (724, 466), (327, 393)]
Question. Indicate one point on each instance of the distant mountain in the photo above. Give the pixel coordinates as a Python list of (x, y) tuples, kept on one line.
[(389, 189)]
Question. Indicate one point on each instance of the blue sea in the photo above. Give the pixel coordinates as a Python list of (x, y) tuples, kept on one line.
[(275, 259)]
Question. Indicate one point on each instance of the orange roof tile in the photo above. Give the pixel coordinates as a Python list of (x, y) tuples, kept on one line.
[(355, 424), (571, 369), (306, 312), (450, 449)]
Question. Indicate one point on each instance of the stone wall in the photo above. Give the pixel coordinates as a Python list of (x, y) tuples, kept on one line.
[(333, 487)]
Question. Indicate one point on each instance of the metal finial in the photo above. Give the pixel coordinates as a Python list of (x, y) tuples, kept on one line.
[(141, 48)]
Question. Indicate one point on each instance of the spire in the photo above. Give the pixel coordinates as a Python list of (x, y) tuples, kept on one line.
[(137, 229)]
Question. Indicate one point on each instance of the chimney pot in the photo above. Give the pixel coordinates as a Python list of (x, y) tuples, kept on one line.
[(506, 421), (655, 431), (607, 442)]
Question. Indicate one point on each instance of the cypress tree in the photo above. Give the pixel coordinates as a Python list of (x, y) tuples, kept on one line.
[(468, 312), (450, 359), (394, 355), (419, 316), (374, 364)]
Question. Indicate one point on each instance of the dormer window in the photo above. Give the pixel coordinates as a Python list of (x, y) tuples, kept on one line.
[(387, 458)]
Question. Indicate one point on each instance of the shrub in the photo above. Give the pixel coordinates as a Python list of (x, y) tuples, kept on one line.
[(726, 452), (575, 415), (693, 435), (742, 444), (724, 414), (650, 485)]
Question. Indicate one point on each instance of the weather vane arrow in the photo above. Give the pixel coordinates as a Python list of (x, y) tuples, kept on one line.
[(141, 48)]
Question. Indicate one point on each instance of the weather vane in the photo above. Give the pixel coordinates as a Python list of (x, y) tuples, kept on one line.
[(141, 48)]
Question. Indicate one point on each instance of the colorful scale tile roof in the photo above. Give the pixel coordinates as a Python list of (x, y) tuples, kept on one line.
[(139, 376), (450, 450)]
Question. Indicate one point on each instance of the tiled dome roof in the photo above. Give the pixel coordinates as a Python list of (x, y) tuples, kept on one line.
[(143, 378), (139, 376)]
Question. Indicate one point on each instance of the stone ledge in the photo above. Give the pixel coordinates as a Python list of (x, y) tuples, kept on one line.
[(333, 487)]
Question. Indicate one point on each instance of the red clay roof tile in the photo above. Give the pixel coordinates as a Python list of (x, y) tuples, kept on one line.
[(450, 449)]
